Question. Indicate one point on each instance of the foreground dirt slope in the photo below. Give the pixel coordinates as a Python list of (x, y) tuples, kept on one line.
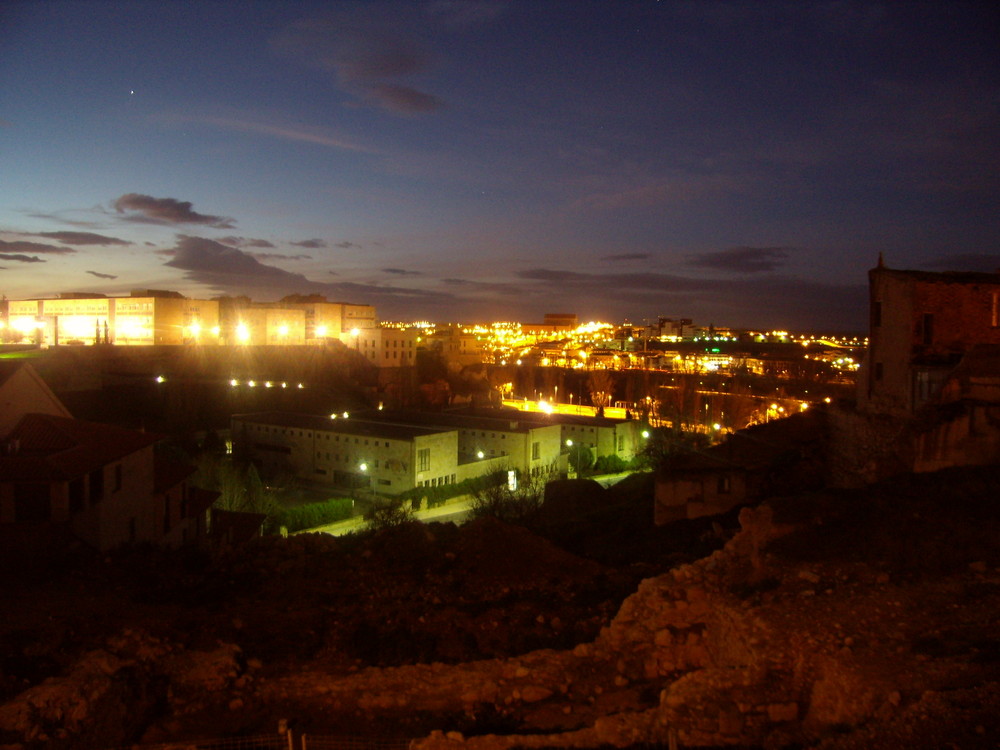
[(837, 620)]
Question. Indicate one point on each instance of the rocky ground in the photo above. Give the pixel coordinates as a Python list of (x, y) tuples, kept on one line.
[(862, 619)]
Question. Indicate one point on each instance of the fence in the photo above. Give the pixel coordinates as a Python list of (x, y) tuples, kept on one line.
[(285, 741)]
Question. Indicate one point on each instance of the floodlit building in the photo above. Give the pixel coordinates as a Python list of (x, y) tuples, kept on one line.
[(394, 452), (347, 452), (264, 325), (145, 318), (383, 346)]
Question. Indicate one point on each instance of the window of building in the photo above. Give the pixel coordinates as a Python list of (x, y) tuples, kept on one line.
[(423, 459), (724, 486), (928, 328), (995, 310), (876, 313), (536, 451)]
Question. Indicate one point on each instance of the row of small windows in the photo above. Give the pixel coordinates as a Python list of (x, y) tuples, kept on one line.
[(437, 481), (319, 436)]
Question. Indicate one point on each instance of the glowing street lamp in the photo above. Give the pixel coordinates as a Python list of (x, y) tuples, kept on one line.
[(242, 333)]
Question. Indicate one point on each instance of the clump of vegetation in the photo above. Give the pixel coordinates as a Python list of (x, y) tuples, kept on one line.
[(387, 515), (316, 514), (518, 505)]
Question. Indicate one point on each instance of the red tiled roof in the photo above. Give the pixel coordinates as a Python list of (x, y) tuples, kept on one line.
[(47, 448)]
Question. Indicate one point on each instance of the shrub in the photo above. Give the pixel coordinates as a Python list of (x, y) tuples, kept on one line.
[(316, 514), (612, 464)]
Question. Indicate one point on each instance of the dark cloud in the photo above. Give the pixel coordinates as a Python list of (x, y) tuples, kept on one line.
[(401, 272), (23, 246), (742, 259), (312, 244), (100, 275), (146, 208), (82, 238), (771, 301), (244, 242), (403, 99), (21, 258), (365, 56), (345, 245), (982, 262), (232, 271), (627, 256)]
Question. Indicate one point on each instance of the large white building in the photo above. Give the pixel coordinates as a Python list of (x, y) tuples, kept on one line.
[(155, 317), (393, 453)]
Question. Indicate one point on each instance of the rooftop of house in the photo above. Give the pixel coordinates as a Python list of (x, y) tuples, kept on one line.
[(42, 447)]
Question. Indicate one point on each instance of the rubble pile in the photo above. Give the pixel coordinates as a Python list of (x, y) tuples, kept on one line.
[(815, 625)]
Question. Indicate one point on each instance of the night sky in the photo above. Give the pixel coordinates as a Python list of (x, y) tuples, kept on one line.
[(738, 163)]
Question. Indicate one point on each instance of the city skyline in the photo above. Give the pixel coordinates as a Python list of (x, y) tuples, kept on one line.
[(741, 164)]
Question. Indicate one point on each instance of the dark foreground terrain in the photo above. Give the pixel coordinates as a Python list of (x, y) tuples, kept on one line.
[(841, 619)]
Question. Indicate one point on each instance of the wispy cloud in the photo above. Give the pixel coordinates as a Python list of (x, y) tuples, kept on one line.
[(627, 256), (312, 244), (21, 258), (280, 256), (366, 59), (100, 275), (147, 209), (23, 246), (245, 242), (82, 238), (400, 272), (742, 259), (299, 132)]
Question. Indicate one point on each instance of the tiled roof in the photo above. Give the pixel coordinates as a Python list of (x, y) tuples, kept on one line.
[(47, 448)]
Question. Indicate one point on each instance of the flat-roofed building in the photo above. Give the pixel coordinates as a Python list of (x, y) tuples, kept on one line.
[(385, 346), (264, 325), (508, 442), (348, 452), (145, 318)]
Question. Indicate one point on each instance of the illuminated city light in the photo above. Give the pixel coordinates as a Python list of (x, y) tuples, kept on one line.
[(321, 331), (252, 383), (283, 330), (242, 332), (160, 379), (363, 467), (234, 382), (480, 454)]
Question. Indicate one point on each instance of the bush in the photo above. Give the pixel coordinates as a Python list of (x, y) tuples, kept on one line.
[(387, 515), (496, 499), (316, 514), (612, 464)]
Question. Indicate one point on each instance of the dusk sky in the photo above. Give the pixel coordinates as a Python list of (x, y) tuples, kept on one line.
[(738, 163)]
